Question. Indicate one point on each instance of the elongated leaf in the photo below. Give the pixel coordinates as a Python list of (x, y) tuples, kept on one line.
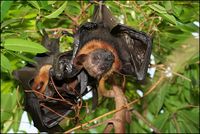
[(58, 11), (22, 57), (35, 4), (17, 117), (169, 18), (8, 102), (51, 2), (8, 22), (161, 120), (5, 6), (158, 8), (16, 44), (5, 63), (43, 4)]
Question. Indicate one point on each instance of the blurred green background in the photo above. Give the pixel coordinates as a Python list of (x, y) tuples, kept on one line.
[(173, 104)]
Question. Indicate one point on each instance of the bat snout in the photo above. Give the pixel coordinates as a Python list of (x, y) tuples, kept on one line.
[(99, 62)]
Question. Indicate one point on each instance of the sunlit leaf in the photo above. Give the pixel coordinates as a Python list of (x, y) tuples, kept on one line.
[(58, 11), (158, 8), (16, 44), (8, 101), (5, 63), (170, 18), (8, 22), (51, 2), (22, 57), (5, 6), (34, 3), (17, 117)]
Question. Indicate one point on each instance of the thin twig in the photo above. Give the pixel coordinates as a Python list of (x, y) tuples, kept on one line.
[(154, 85), (57, 99), (175, 73), (96, 125), (72, 19), (83, 10), (56, 88), (55, 112), (50, 30)]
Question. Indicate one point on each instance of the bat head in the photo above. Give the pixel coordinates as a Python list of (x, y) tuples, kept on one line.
[(96, 63)]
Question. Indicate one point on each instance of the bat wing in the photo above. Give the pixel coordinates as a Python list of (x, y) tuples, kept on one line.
[(33, 107), (137, 45), (51, 119)]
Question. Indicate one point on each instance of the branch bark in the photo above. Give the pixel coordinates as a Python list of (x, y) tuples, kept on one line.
[(121, 117)]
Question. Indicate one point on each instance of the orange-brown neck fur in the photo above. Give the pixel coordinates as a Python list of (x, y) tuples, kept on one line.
[(42, 77)]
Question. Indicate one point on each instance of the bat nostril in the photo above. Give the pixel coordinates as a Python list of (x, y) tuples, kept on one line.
[(58, 75)]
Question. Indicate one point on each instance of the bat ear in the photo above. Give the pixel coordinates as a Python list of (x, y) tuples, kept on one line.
[(25, 76), (80, 59)]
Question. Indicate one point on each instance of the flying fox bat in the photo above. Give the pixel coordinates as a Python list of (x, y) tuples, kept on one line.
[(40, 89), (103, 46)]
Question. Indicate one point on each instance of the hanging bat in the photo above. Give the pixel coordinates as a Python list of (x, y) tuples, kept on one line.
[(38, 87), (104, 46)]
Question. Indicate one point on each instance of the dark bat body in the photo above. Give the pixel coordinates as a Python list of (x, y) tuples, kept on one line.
[(40, 89), (130, 49)]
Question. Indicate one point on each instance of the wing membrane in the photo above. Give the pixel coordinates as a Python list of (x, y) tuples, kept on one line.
[(138, 45)]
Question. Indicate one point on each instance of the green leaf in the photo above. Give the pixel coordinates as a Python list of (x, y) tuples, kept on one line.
[(51, 2), (16, 44), (58, 11), (5, 63), (162, 11), (161, 120), (169, 18), (5, 6), (158, 8), (35, 4), (157, 100), (168, 5), (6, 86), (22, 57), (43, 3), (171, 127), (17, 118), (8, 102), (191, 117), (8, 22)]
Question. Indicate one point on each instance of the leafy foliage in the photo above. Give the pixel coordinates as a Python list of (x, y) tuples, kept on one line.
[(172, 107)]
